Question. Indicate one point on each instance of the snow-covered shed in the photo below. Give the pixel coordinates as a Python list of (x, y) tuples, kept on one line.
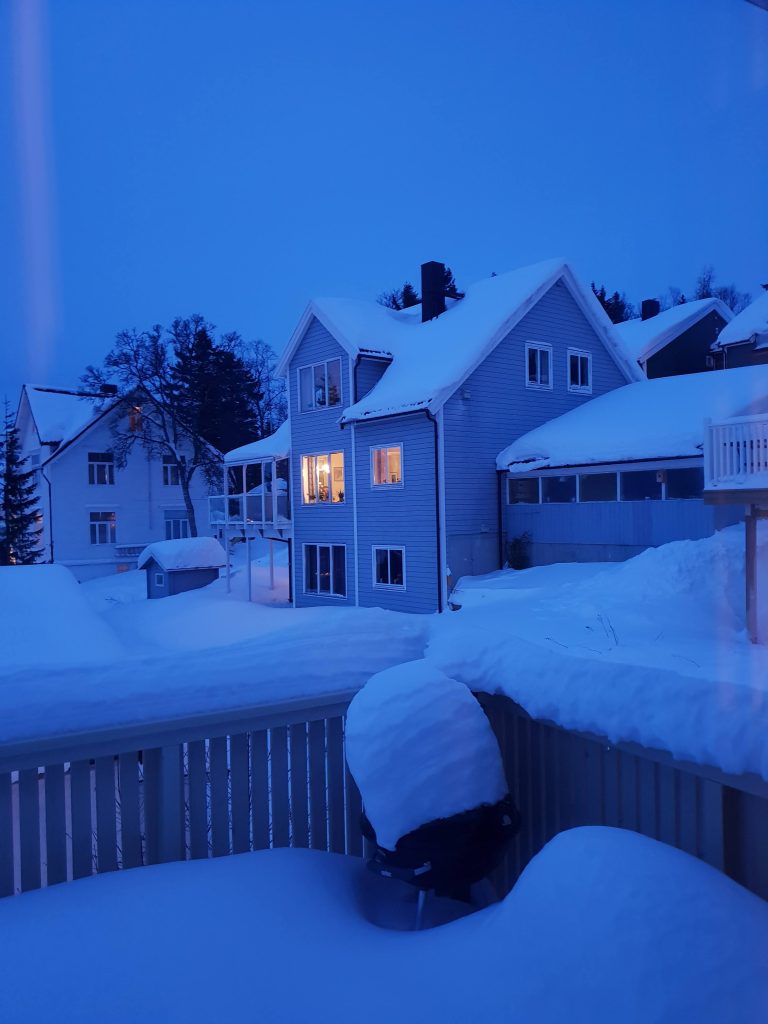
[(744, 342), (676, 341), (625, 471), (175, 566)]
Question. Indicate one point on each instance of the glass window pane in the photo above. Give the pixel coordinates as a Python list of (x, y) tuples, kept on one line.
[(334, 381), (323, 478), (685, 483), (308, 479), (235, 479), (379, 465), (319, 385), (305, 388), (310, 568), (382, 566), (523, 491), (641, 485), (558, 488), (267, 488), (597, 487), (573, 371), (337, 476), (283, 489), (394, 469), (339, 570), (533, 370), (544, 366), (396, 568), (324, 569), (584, 372)]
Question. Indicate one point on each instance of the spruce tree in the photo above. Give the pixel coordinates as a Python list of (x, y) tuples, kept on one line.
[(20, 542), (616, 306)]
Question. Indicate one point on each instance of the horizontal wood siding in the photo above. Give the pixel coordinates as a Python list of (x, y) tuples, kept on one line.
[(610, 531), (399, 515), (369, 372), (688, 352), (312, 432), (494, 407)]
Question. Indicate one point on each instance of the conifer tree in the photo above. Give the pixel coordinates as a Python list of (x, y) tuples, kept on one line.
[(20, 540), (616, 305)]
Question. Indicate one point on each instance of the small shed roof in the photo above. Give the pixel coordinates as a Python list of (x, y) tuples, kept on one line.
[(189, 553), (751, 324), (642, 339), (276, 446), (652, 419)]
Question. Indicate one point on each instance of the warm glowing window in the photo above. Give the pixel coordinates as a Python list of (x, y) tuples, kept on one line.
[(320, 385), (322, 478), (387, 465)]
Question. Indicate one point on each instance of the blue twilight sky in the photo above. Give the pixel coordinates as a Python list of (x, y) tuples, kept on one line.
[(236, 158)]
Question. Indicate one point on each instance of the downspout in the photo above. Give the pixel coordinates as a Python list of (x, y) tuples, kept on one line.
[(50, 513), (500, 474), (440, 559)]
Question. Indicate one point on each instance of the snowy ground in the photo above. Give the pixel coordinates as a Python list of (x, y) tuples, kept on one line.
[(603, 926)]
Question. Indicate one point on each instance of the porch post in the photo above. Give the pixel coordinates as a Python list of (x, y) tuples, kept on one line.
[(271, 565), (750, 566), (248, 561), (226, 526)]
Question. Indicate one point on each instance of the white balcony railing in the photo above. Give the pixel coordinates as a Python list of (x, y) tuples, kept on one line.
[(736, 454)]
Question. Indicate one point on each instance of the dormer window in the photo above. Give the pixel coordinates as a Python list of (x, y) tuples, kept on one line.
[(320, 385)]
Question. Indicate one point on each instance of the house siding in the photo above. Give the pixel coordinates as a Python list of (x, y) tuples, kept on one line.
[(688, 352), (367, 374), (493, 407), (315, 432), (399, 516)]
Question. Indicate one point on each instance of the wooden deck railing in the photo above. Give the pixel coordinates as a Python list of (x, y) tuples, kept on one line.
[(736, 453), (275, 776)]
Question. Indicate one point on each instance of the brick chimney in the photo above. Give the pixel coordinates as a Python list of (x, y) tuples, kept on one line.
[(432, 290), (649, 308)]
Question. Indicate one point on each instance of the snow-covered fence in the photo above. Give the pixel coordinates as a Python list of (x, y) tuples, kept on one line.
[(736, 453), (205, 786), (560, 779), (275, 775)]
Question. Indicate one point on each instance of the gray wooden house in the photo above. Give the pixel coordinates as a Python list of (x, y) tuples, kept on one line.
[(175, 566)]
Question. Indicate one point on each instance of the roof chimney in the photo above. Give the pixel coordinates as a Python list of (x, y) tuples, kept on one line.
[(432, 290), (109, 390), (649, 308)]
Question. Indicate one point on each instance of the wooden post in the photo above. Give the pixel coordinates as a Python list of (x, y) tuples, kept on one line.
[(248, 561), (271, 565), (750, 566)]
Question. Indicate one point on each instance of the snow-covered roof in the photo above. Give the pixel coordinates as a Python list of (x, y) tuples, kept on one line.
[(642, 339), (430, 360), (190, 553), (276, 446), (751, 324), (60, 415), (652, 419)]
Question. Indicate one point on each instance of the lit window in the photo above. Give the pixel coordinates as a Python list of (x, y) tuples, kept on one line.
[(103, 525), (579, 371), (387, 465), (170, 472), (322, 478), (538, 366), (325, 569), (320, 385), (135, 423), (101, 468), (389, 567)]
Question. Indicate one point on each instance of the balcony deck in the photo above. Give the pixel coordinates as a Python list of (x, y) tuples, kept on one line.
[(736, 461)]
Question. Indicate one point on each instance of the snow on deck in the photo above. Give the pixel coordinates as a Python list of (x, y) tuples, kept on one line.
[(602, 926), (186, 553), (651, 419), (276, 446), (643, 338), (749, 325)]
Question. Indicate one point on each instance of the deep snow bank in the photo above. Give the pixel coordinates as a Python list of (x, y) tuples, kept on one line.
[(45, 620)]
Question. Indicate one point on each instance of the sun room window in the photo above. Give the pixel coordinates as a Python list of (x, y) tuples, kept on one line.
[(387, 466), (322, 478), (325, 569), (320, 385)]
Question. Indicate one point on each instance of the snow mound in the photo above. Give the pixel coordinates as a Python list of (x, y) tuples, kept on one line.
[(420, 747), (189, 553), (47, 620)]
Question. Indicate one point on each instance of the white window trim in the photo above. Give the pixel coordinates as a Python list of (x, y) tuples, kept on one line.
[(386, 485), (541, 345), (319, 593), (159, 579), (388, 586), (110, 470), (314, 455), (106, 523), (168, 468), (576, 388), (308, 366)]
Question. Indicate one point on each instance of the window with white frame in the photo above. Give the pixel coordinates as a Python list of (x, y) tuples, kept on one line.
[(325, 569), (387, 466), (170, 472), (176, 525), (389, 567), (103, 527), (579, 370), (101, 468), (538, 366), (159, 579), (320, 385), (322, 478)]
